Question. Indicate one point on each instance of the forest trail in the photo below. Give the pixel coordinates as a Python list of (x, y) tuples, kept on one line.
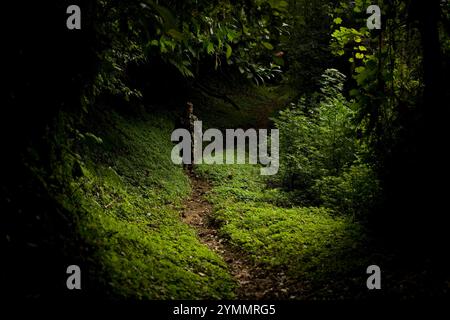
[(264, 113), (253, 282)]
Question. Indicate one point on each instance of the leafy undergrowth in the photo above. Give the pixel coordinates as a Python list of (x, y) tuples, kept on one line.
[(322, 253), (126, 196)]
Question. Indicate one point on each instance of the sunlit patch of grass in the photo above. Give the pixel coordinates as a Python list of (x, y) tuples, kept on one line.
[(323, 251), (127, 200)]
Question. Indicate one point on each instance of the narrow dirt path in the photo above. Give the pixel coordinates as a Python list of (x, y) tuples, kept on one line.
[(253, 281)]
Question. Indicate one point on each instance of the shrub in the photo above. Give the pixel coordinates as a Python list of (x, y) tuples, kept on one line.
[(355, 192), (316, 135), (319, 152)]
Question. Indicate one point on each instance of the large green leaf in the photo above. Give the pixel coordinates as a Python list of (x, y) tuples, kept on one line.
[(170, 22), (210, 48), (268, 45), (229, 51), (176, 34)]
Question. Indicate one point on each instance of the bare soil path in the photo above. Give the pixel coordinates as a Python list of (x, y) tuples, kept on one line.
[(253, 282)]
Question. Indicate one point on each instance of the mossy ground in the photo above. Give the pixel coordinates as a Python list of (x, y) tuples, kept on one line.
[(321, 252), (128, 196)]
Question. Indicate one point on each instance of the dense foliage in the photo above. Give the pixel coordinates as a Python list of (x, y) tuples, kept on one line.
[(322, 156), (362, 117), (194, 37)]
